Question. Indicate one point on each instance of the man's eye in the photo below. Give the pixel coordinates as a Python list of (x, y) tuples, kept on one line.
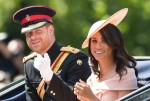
[(38, 31), (28, 34)]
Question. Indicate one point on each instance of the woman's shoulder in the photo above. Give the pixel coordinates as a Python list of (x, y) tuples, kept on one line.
[(130, 69), (129, 80), (130, 72)]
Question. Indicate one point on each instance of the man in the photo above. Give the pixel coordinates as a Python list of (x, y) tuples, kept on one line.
[(52, 70)]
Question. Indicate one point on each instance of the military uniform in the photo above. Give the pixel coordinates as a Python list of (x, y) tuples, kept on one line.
[(73, 68)]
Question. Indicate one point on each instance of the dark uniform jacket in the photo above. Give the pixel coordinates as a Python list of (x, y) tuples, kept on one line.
[(61, 84)]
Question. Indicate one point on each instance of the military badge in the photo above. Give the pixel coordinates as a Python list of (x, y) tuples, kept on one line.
[(79, 62), (27, 17)]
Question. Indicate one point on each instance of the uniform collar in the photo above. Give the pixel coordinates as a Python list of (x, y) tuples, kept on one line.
[(54, 51)]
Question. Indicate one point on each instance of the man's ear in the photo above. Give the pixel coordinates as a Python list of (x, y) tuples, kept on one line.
[(51, 28)]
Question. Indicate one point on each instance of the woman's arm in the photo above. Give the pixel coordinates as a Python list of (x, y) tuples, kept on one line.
[(122, 93)]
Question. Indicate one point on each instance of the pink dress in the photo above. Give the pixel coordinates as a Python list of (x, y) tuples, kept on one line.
[(127, 82)]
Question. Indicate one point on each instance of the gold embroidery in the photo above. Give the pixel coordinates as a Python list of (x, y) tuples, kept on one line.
[(70, 49), (27, 17), (79, 62), (26, 58)]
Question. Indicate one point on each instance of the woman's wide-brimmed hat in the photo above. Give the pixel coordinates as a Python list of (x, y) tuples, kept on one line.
[(115, 19)]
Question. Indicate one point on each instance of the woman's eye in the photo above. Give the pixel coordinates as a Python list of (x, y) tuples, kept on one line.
[(94, 41), (103, 41)]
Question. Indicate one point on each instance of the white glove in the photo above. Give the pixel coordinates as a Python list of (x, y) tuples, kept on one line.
[(43, 65)]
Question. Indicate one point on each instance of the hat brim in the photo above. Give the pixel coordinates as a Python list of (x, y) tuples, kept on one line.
[(115, 19), (33, 26)]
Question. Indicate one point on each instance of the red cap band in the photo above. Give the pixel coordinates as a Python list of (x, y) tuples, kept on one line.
[(35, 17)]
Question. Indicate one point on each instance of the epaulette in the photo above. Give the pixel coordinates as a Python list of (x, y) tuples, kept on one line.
[(70, 49), (26, 58)]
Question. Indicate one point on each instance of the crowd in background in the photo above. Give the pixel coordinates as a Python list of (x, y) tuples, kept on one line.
[(11, 55)]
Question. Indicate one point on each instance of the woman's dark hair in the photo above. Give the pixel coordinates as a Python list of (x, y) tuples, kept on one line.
[(113, 37)]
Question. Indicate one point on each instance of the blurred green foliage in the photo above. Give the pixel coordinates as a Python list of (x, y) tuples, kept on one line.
[(74, 18)]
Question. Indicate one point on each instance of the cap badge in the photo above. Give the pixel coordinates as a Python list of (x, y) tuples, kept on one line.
[(27, 17), (79, 62)]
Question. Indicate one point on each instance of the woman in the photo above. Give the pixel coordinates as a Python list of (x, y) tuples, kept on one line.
[(114, 73)]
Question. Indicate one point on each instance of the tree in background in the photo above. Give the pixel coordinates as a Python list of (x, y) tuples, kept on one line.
[(74, 17)]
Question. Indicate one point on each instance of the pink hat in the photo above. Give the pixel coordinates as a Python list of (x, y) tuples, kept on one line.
[(115, 19)]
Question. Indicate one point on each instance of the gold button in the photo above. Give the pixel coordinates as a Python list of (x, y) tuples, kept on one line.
[(51, 91)]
